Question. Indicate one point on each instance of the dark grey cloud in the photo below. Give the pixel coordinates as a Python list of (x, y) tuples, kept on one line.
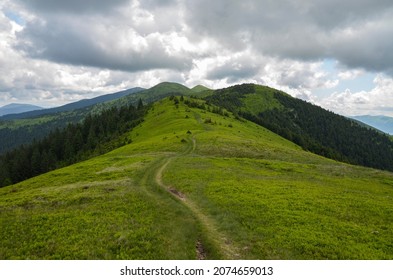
[(93, 33), (235, 70), (72, 6), (83, 43), (368, 48), (153, 4), (289, 17), (333, 13), (232, 74), (357, 33)]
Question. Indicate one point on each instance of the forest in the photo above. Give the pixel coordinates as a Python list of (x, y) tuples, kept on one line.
[(14, 133), (97, 134)]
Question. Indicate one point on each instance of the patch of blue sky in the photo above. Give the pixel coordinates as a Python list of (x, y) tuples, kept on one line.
[(330, 65), (15, 17), (363, 82)]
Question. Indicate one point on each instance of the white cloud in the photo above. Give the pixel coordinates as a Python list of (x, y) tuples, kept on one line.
[(378, 101), (350, 74), (66, 50)]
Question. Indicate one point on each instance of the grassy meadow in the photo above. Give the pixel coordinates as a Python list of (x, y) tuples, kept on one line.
[(193, 184)]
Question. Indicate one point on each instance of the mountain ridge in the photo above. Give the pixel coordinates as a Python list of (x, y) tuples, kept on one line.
[(310, 126), (74, 105), (16, 108), (197, 178), (380, 122), (19, 131)]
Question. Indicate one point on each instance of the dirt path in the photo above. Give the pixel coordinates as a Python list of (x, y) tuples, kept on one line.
[(227, 250)]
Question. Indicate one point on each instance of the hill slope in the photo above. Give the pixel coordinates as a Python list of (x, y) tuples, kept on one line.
[(200, 88), (22, 129), (194, 184), (16, 132), (310, 126)]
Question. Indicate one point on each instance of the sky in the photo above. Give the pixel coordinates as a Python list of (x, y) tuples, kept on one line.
[(334, 53)]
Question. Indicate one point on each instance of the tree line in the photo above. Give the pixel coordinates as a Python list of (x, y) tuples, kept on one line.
[(15, 133), (97, 134)]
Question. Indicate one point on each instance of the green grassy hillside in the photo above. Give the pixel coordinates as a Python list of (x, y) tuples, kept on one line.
[(200, 88), (311, 127), (17, 132), (198, 185)]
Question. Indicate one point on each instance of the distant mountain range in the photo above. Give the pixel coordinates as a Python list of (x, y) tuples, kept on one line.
[(16, 108), (382, 123), (23, 128), (311, 127), (12, 115)]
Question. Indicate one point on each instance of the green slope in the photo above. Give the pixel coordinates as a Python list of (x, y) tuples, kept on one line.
[(194, 184), (200, 88), (312, 127), (18, 132), (155, 93)]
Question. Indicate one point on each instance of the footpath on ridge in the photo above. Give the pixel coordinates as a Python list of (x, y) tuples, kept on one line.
[(217, 238)]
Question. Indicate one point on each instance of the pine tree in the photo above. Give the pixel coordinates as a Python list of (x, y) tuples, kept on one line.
[(140, 104), (36, 161)]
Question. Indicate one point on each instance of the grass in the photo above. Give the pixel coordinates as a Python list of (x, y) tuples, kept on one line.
[(255, 104), (92, 211), (15, 124), (248, 194), (279, 210)]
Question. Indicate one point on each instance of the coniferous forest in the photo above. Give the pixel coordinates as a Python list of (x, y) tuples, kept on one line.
[(96, 135), (12, 137)]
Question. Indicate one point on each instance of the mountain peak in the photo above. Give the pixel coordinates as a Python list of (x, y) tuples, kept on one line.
[(16, 105), (199, 88), (170, 85)]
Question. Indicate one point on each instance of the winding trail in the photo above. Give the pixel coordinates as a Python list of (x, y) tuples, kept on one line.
[(218, 239)]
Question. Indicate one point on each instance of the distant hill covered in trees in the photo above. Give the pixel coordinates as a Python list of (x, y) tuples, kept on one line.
[(96, 135), (311, 127), (382, 123), (15, 108)]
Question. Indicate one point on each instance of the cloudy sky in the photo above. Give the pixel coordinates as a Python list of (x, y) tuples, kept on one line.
[(335, 53)]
